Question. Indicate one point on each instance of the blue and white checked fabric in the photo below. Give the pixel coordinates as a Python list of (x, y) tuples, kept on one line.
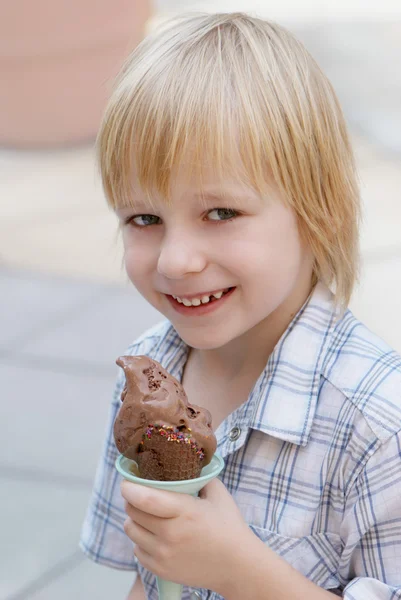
[(316, 469)]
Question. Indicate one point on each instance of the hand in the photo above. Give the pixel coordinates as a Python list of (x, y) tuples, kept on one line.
[(193, 541)]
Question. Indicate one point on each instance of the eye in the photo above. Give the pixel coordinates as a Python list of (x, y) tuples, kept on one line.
[(222, 214), (144, 220)]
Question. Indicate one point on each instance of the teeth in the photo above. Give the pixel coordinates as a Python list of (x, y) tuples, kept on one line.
[(198, 301)]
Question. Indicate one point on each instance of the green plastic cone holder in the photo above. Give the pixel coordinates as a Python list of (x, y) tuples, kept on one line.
[(169, 590)]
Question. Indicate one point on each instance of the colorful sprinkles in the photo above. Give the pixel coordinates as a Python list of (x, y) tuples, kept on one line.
[(174, 435)]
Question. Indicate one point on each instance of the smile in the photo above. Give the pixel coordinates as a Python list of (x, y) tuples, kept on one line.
[(201, 305), (204, 299)]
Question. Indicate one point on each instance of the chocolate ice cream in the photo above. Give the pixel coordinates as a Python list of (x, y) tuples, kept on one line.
[(168, 438)]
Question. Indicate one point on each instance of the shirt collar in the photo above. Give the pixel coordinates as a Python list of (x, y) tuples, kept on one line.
[(285, 396)]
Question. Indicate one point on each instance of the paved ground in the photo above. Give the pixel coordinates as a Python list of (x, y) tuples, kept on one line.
[(67, 312)]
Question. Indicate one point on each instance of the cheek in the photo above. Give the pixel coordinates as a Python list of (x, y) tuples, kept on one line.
[(270, 252), (137, 261), (285, 251), (131, 266)]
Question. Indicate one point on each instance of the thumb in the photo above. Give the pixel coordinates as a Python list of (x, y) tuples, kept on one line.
[(213, 491)]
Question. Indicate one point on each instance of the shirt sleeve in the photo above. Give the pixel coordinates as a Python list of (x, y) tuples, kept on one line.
[(370, 566), (103, 538)]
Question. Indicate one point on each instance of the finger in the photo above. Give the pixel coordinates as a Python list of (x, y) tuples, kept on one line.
[(149, 522), (213, 491), (147, 561), (155, 502), (140, 536)]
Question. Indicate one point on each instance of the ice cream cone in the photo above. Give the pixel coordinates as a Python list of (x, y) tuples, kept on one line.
[(129, 470)]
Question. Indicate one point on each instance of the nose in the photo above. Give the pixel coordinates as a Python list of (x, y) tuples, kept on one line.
[(180, 255)]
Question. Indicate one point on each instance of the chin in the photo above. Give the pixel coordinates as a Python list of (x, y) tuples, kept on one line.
[(200, 340)]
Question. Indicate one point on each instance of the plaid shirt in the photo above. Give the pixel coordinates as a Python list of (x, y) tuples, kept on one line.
[(312, 458)]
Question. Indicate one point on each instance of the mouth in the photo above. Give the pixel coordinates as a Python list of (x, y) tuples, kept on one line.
[(202, 304), (202, 299)]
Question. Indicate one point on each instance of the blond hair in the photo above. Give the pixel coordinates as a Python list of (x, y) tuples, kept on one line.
[(229, 87)]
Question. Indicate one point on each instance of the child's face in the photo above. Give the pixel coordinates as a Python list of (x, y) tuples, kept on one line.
[(251, 244)]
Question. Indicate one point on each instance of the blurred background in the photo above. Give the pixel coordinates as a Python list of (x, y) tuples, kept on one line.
[(67, 310)]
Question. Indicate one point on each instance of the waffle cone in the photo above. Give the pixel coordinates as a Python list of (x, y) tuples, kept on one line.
[(164, 460)]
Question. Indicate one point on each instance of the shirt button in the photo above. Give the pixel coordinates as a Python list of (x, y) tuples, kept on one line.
[(234, 434), (196, 596)]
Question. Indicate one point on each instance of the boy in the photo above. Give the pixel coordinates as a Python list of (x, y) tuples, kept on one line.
[(225, 155)]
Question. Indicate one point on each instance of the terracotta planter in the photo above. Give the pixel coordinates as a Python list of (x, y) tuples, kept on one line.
[(57, 61)]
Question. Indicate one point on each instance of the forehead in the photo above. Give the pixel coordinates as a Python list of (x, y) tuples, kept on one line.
[(204, 186)]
